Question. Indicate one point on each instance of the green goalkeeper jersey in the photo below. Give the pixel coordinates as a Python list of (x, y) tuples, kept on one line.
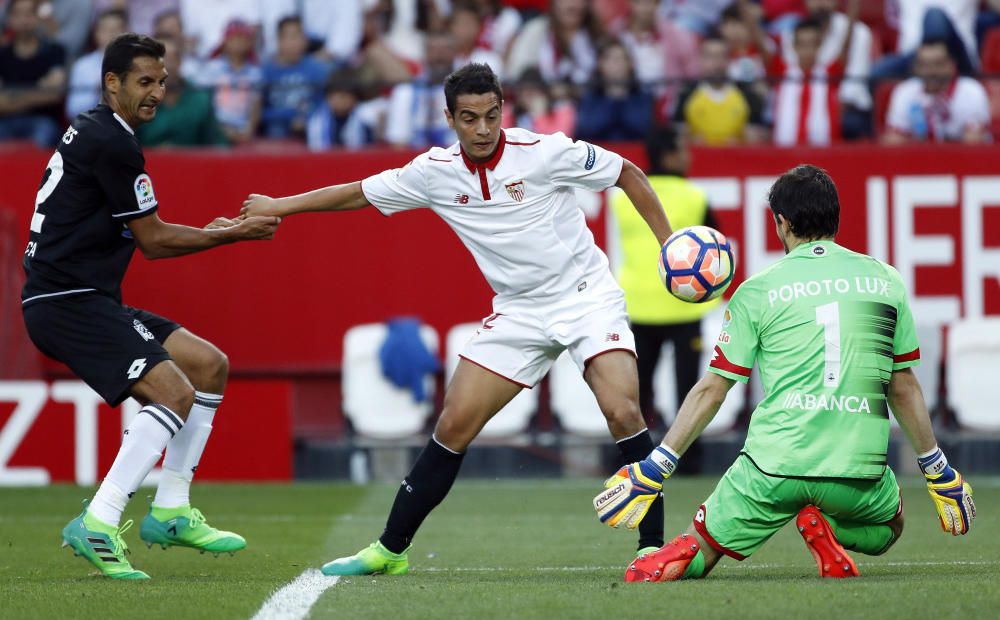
[(827, 327)]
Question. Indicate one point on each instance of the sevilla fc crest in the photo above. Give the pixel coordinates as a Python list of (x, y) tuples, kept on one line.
[(516, 190)]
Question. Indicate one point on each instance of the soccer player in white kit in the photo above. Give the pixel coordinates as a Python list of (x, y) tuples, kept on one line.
[(509, 195)]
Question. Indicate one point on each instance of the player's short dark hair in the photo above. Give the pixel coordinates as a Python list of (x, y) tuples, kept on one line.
[(473, 79), (661, 141), (124, 49), (731, 13), (807, 197)]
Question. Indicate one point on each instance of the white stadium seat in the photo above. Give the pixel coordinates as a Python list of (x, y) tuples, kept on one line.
[(972, 364), (573, 402), (377, 408), (512, 419)]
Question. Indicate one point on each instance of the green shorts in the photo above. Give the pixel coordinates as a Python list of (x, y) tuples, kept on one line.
[(748, 506)]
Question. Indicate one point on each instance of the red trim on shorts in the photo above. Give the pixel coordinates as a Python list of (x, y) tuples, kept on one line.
[(906, 357), (600, 353), (699, 527), (524, 385)]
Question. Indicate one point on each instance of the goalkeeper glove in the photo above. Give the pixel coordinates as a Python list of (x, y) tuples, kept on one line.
[(951, 494), (631, 491)]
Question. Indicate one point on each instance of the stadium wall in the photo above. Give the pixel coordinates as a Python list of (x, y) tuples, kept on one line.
[(280, 309)]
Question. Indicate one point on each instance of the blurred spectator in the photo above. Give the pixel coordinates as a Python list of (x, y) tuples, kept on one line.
[(205, 21), (560, 43), (782, 15), (167, 25), (951, 21), (806, 110), (67, 22), (333, 29), (697, 16), (415, 116), (293, 82), (500, 25), (342, 120), (988, 19), (936, 105), (388, 57), (658, 317), (141, 14), (615, 108), (746, 54), (85, 76), (32, 79), (236, 78), (716, 110), (663, 54), (539, 107), (853, 94), (408, 22), (186, 116), (465, 24)]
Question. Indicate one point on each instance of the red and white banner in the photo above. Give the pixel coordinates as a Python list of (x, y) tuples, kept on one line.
[(63, 432)]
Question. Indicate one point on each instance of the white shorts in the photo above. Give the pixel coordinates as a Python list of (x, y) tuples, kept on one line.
[(522, 346)]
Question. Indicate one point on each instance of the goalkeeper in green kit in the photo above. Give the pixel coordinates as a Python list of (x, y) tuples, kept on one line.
[(833, 336)]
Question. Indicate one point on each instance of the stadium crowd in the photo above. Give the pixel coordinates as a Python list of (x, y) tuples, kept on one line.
[(351, 73)]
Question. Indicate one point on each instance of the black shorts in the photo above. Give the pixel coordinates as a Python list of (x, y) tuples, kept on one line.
[(108, 345)]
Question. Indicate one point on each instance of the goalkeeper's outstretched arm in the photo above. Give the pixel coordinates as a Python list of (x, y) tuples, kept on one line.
[(697, 410), (951, 494)]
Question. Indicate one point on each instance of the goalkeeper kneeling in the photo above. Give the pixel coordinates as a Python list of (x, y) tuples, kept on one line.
[(835, 340)]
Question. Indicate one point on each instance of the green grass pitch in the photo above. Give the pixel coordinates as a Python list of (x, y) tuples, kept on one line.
[(492, 550)]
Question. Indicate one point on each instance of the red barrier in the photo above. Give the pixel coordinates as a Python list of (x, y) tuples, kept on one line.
[(63, 432), (285, 305)]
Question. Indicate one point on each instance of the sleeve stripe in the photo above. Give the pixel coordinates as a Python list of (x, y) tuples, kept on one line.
[(719, 361), (906, 357)]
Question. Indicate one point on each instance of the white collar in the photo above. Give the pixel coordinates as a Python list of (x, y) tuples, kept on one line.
[(123, 123)]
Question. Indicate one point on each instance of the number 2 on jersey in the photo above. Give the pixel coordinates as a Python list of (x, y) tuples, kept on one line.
[(828, 315), (55, 173)]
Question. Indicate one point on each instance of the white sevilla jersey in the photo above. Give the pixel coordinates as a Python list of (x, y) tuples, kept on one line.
[(516, 213)]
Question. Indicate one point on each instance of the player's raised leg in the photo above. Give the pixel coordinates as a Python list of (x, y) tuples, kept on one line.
[(171, 519), (167, 397), (614, 379), (474, 396)]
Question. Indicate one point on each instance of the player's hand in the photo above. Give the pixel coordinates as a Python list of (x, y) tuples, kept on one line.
[(628, 495), (952, 498), (258, 204), (220, 222), (631, 491), (257, 228), (951, 494)]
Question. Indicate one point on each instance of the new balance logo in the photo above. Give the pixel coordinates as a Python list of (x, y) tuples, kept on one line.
[(612, 337), (135, 370), (461, 199)]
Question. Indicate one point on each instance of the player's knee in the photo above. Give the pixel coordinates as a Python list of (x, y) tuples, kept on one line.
[(454, 430), (181, 399), (218, 365), (896, 525)]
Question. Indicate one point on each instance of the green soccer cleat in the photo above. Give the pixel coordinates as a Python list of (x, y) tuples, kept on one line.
[(372, 560), (101, 545), (185, 526), (646, 550)]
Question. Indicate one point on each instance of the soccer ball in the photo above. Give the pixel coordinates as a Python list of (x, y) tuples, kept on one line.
[(696, 264)]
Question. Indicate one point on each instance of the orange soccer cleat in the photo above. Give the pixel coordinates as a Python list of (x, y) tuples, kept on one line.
[(667, 563), (831, 558)]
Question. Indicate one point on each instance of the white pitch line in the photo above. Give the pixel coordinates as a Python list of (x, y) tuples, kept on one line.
[(294, 601)]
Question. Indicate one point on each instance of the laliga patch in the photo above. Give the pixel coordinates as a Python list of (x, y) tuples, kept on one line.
[(144, 195), (727, 318)]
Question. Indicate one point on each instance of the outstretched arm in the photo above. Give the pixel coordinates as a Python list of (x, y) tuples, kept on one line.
[(636, 186), (158, 239), (907, 402), (699, 407), (343, 197)]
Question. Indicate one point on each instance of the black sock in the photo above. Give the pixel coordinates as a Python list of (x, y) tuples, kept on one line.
[(423, 489), (636, 448)]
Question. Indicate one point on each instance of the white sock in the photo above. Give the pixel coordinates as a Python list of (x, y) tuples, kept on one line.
[(184, 452), (142, 446)]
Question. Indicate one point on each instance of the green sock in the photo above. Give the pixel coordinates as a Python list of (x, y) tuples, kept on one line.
[(164, 514), (696, 568), (861, 537)]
